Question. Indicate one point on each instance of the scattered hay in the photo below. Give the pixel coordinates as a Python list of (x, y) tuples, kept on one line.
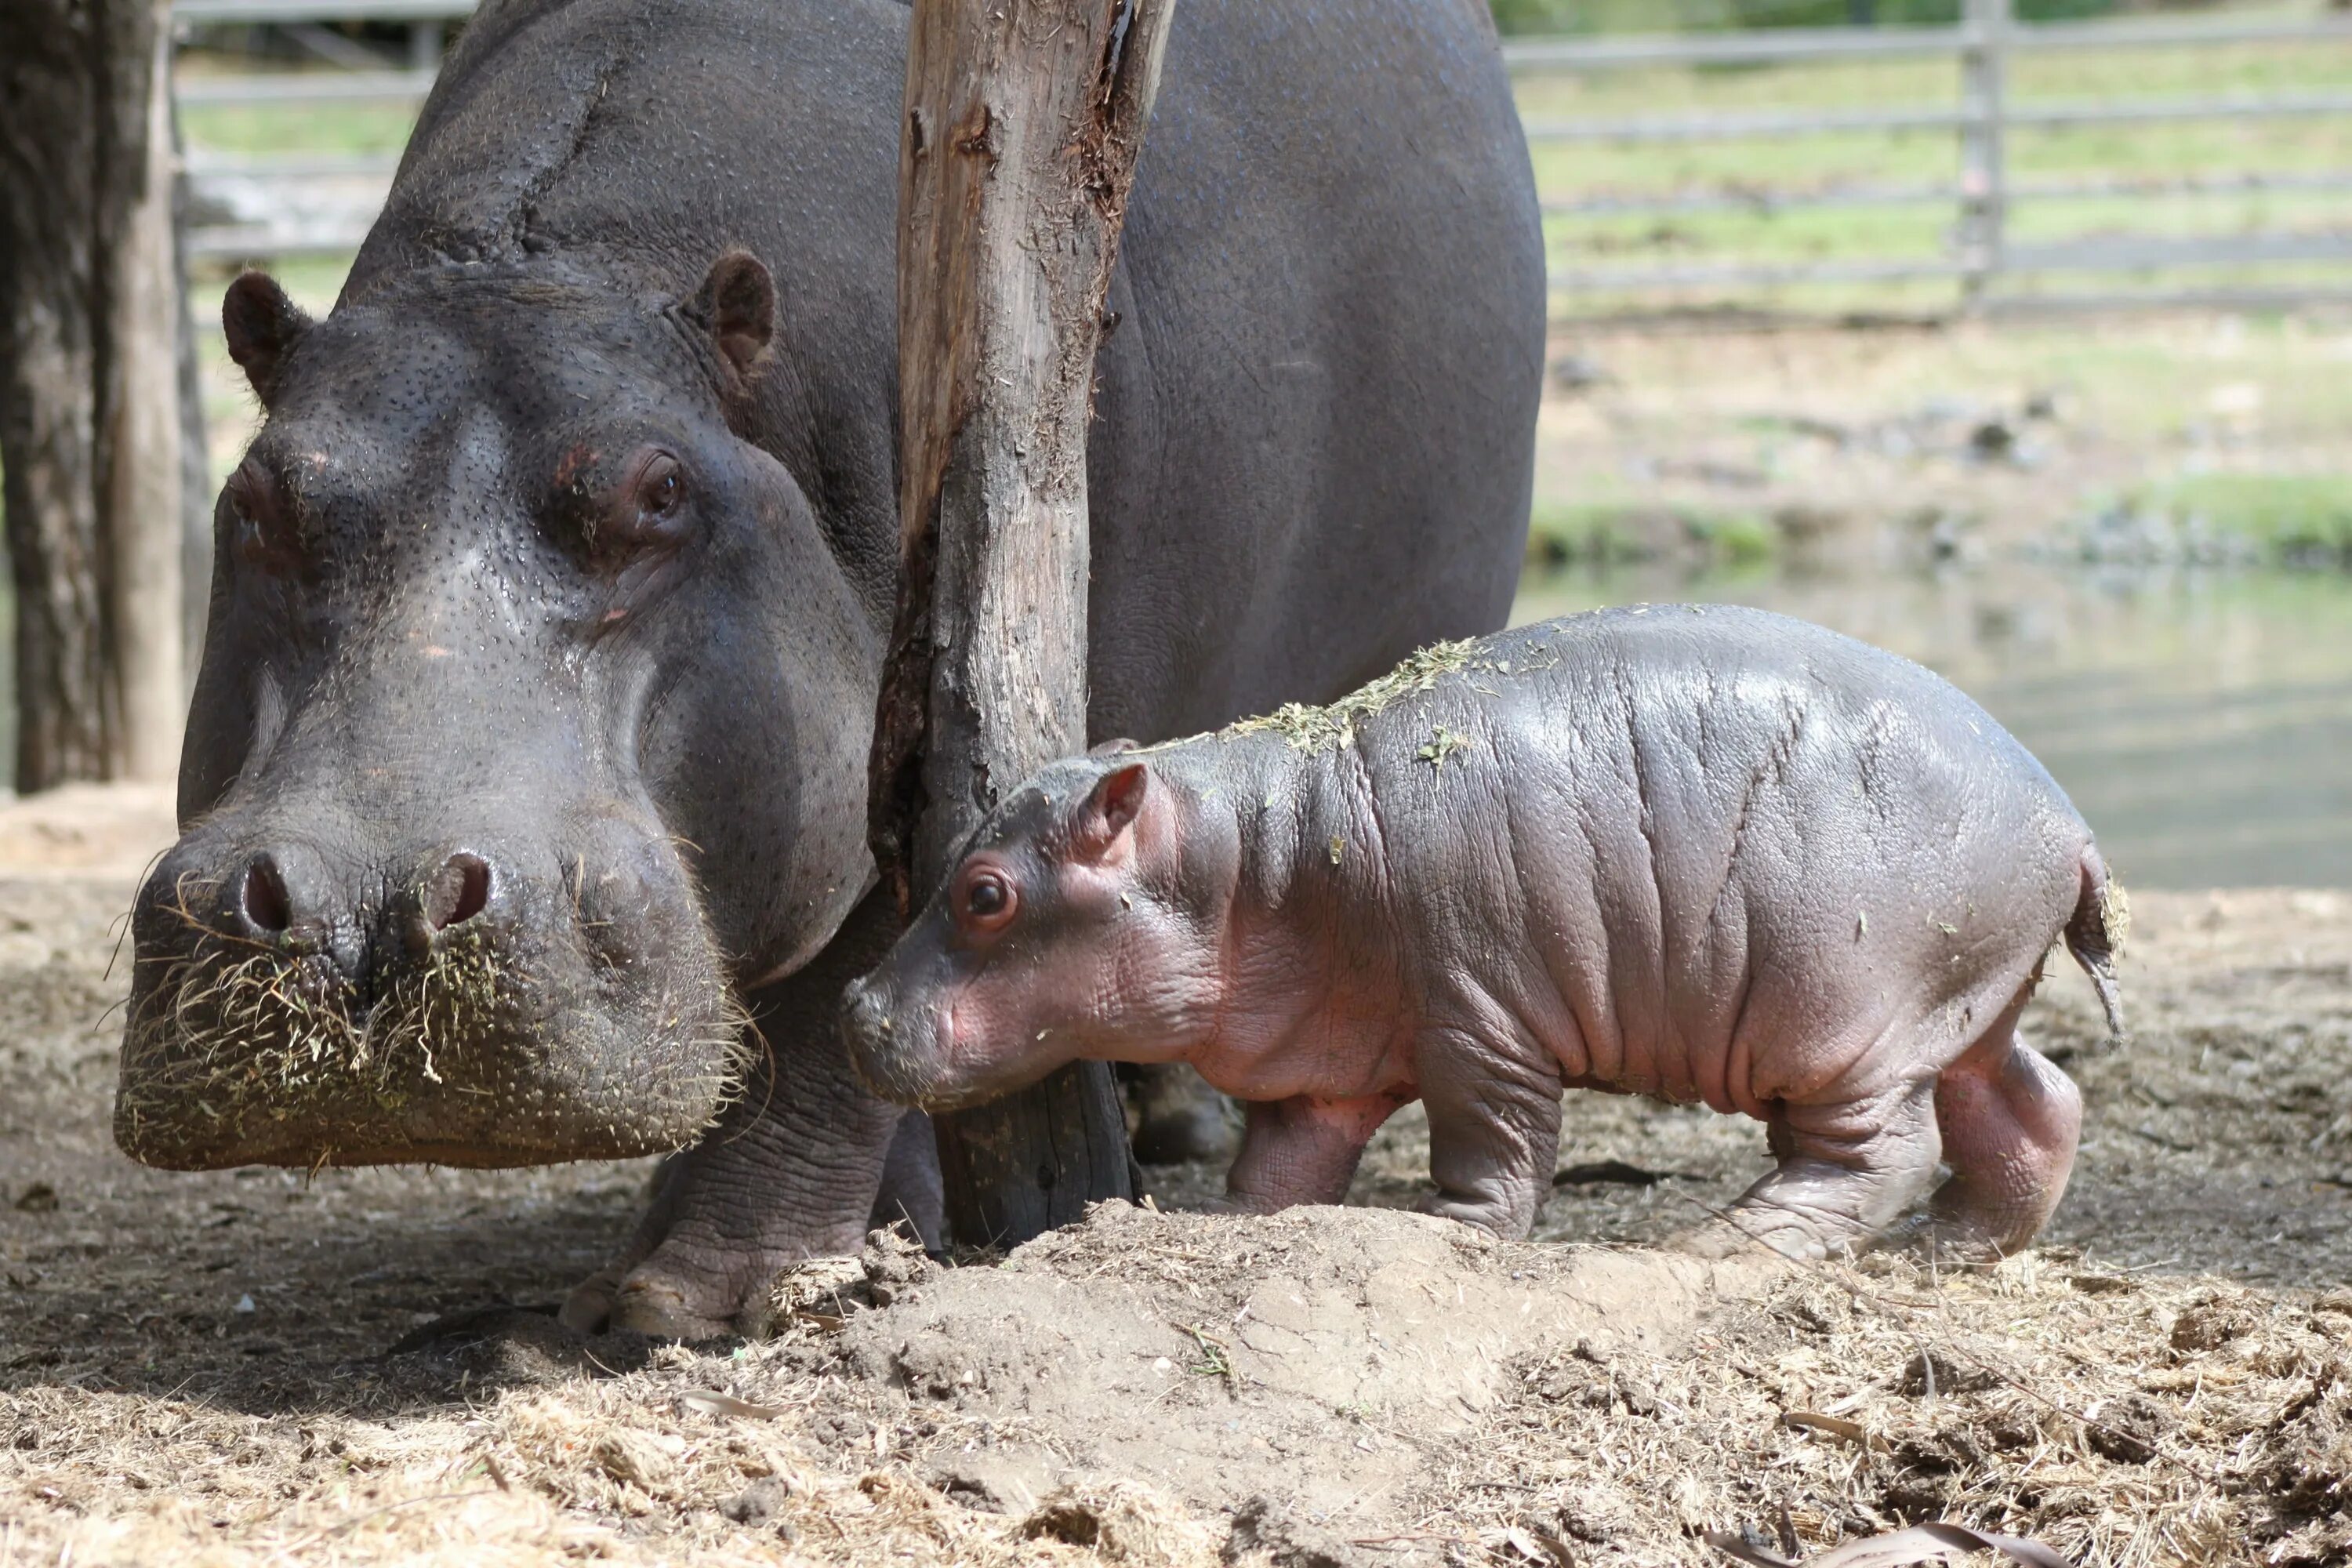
[(1123, 1522), (243, 1051), (2125, 1422), (1312, 728), (2134, 1410)]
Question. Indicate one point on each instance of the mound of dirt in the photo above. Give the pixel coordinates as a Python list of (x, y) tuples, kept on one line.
[(1187, 1351)]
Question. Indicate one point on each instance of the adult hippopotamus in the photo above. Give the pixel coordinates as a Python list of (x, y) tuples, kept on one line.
[(1698, 852), (524, 786)]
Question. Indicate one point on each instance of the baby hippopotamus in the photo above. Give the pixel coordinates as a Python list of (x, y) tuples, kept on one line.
[(1698, 852)]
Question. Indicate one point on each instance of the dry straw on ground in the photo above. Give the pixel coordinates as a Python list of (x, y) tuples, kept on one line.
[(193, 1368)]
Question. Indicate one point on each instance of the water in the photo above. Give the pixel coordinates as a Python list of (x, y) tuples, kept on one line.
[(2202, 722)]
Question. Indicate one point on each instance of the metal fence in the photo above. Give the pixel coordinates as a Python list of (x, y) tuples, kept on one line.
[(1980, 254), (256, 205), (253, 205)]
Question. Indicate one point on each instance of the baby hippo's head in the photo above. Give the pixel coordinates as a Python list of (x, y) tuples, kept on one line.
[(1078, 922)]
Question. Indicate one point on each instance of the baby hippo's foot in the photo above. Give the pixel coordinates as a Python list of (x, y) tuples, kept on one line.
[(1753, 1232), (1302, 1150), (2010, 1122), (1509, 1211), (1846, 1174)]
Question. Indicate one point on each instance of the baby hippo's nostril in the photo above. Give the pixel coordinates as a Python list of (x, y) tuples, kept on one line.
[(262, 900), (460, 890)]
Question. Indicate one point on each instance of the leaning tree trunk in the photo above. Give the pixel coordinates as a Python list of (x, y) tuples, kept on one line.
[(1024, 120), (90, 428)]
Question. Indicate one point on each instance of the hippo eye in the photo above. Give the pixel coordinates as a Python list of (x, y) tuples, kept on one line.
[(645, 510), (661, 488), (257, 525), (988, 897)]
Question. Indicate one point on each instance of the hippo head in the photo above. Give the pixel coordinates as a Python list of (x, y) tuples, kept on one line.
[(1070, 927), (531, 724)]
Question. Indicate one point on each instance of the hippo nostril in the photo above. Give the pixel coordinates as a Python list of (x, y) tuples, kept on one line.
[(459, 891), (262, 900)]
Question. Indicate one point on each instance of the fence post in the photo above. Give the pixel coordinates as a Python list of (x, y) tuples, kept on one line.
[(1984, 179)]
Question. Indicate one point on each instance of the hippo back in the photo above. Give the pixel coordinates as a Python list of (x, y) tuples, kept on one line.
[(1315, 408)]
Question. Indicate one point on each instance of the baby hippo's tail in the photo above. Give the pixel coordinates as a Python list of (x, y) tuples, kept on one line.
[(2096, 936)]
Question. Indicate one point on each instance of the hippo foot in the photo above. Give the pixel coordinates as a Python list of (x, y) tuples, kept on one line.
[(1179, 1119), (707, 1255), (1749, 1232), (671, 1298)]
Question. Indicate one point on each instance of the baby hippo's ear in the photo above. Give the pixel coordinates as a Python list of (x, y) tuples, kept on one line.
[(1109, 812), (1113, 748)]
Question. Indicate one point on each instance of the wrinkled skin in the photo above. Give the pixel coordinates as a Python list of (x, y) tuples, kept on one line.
[(527, 760), (1700, 853)]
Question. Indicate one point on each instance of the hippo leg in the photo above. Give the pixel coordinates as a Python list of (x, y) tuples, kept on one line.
[(1302, 1150), (1494, 1133), (791, 1171), (1179, 1118), (1845, 1173), (912, 1187), (2010, 1120)]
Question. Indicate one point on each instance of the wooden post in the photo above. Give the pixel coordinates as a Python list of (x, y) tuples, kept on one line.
[(90, 429), (1984, 178), (1023, 119), (144, 520)]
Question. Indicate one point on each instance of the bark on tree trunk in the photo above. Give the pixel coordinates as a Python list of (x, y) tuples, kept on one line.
[(90, 428), (1024, 120)]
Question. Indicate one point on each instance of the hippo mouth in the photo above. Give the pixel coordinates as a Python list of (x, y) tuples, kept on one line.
[(469, 1051), (905, 1055)]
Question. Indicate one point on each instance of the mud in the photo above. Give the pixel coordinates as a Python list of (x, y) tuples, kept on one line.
[(254, 1366)]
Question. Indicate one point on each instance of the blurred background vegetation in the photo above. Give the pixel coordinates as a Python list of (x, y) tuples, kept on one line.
[(1677, 15)]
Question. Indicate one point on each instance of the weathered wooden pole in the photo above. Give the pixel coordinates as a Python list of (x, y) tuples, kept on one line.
[(91, 423), (1023, 122)]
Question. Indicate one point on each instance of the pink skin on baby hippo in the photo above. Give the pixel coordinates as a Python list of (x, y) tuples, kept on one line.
[(1701, 853)]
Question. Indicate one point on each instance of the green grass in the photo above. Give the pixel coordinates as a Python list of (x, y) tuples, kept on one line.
[(337, 128), (2150, 153), (1620, 534), (2302, 517)]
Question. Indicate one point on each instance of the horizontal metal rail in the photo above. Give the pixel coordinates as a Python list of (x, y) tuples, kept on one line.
[(301, 87), (258, 242), (1776, 46), (2120, 253), (2148, 252), (201, 166), (1765, 123), (1767, 201), (1749, 274), (1793, 46), (2073, 303)]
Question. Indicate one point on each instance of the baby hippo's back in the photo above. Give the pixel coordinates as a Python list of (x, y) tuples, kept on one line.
[(1712, 853)]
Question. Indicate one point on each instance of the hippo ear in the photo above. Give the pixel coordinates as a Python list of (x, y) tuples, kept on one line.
[(737, 306), (262, 326), (1110, 809)]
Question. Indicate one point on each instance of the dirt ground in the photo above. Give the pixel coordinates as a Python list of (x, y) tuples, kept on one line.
[(219, 1368)]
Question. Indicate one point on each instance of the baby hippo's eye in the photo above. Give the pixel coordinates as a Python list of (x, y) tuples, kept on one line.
[(988, 897)]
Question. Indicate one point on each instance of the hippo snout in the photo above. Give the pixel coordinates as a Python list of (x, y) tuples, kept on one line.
[(894, 1063), (499, 998), (287, 896)]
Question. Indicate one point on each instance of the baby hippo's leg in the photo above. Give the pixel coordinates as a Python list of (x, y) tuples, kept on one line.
[(1494, 1133), (2011, 1121), (1302, 1150), (1845, 1173)]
